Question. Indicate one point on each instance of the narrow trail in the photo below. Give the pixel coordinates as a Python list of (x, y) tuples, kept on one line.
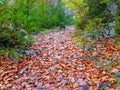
[(58, 64)]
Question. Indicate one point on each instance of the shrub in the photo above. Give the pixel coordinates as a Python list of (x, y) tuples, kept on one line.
[(11, 41), (22, 17), (12, 38), (96, 16)]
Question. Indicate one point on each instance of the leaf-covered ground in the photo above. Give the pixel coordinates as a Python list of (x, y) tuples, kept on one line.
[(59, 64)]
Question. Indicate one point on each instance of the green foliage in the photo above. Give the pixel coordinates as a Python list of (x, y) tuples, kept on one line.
[(12, 37), (80, 8), (117, 80), (10, 52), (32, 15), (96, 19), (11, 41), (19, 18), (117, 27), (48, 15), (103, 85), (118, 42)]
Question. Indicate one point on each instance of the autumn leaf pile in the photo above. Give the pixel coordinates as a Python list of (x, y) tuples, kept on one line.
[(60, 65)]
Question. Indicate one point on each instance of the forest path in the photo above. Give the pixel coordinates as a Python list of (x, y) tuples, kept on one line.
[(58, 64)]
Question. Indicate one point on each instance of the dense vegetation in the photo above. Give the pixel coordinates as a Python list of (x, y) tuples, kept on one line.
[(96, 19), (19, 18)]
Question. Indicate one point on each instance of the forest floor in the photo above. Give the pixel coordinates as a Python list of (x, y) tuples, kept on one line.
[(58, 64)]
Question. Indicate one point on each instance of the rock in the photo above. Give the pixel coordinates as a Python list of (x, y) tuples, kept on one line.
[(62, 48), (81, 57), (64, 81), (36, 80), (52, 68), (36, 32), (85, 87), (73, 80), (80, 80), (43, 47), (21, 51), (57, 57), (99, 46), (22, 31), (59, 78), (107, 61), (112, 7), (103, 85), (48, 31), (60, 71), (62, 26), (95, 54), (112, 32), (115, 56), (88, 47), (29, 52), (117, 74), (26, 36), (40, 49), (38, 88), (48, 38), (23, 70)]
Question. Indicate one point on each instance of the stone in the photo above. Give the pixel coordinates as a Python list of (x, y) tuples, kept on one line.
[(57, 57), (64, 81), (80, 80), (81, 57), (112, 7), (112, 32), (23, 70), (48, 38), (73, 80), (60, 71), (59, 78), (107, 61), (95, 54), (40, 49), (115, 56), (99, 46), (22, 31), (117, 74), (38, 88), (52, 68), (62, 26), (21, 51), (26, 36), (103, 85), (48, 31), (89, 47), (36, 32), (36, 80), (85, 87), (62, 48), (29, 52)]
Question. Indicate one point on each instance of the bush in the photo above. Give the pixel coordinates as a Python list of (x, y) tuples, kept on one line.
[(12, 37), (11, 41), (48, 15), (22, 17), (96, 14)]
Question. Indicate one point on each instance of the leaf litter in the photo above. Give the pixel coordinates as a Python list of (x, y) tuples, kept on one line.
[(59, 64)]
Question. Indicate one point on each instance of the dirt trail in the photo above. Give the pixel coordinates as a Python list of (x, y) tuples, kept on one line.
[(58, 64)]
